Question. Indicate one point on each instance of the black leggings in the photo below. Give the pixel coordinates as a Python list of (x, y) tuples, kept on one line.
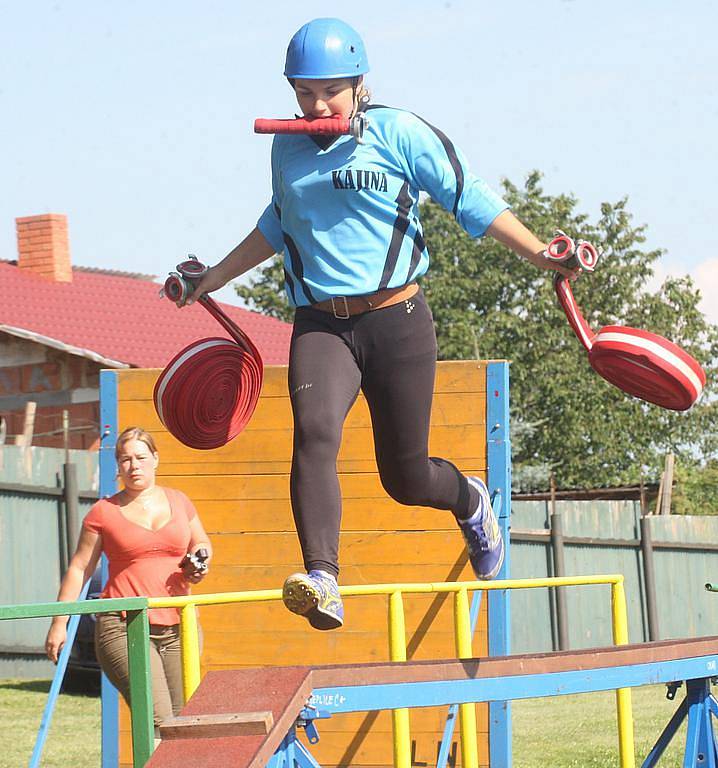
[(390, 354)]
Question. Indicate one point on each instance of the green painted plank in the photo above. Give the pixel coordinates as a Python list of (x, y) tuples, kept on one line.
[(37, 610)]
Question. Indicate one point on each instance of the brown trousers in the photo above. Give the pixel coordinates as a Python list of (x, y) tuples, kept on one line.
[(165, 662)]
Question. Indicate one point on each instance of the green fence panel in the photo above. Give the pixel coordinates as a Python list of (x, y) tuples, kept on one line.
[(31, 541), (685, 558)]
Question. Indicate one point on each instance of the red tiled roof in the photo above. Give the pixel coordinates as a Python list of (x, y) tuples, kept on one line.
[(121, 317)]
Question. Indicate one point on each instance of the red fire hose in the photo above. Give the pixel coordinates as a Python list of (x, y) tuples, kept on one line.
[(322, 126), (641, 363), (208, 392)]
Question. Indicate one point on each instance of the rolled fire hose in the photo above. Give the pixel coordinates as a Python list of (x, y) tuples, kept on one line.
[(207, 393), (641, 363)]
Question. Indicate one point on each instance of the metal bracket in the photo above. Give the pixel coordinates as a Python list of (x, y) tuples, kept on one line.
[(672, 689)]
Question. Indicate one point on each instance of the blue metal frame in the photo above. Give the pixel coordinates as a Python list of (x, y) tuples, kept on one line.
[(499, 482), (527, 686), (698, 706), (291, 752), (701, 747), (108, 486), (56, 684)]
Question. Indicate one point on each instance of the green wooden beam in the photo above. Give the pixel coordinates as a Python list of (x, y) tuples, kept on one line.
[(42, 610)]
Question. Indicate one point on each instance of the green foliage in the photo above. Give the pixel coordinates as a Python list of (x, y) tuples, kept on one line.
[(696, 489), (489, 303), (266, 294)]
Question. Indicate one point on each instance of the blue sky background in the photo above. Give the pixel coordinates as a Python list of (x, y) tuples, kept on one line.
[(135, 118)]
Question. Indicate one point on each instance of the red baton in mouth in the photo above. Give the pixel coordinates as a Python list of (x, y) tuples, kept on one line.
[(317, 126)]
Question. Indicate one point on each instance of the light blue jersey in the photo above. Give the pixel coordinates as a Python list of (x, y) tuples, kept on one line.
[(346, 216)]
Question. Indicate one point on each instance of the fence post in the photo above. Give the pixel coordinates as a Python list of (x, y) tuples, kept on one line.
[(667, 485), (72, 507), (559, 569), (63, 551), (649, 577)]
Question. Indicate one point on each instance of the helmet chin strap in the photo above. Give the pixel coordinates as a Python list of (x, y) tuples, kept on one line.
[(355, 103)]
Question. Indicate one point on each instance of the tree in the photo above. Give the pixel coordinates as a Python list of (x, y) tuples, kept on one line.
[(696, 489), (265, 292), (488, 303)]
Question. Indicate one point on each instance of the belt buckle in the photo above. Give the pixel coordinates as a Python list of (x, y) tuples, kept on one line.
[(345, 316)]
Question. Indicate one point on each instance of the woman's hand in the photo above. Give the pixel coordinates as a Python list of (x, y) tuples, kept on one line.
[(82, 566), (55, 640), (253, 250), (543, 262), (509, 231), (212, 280), (194, 573), (195, 564), (195, 576)]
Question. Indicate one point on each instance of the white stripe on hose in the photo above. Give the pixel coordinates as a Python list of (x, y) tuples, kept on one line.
[(651, 346), (587, 340), (168, 373)]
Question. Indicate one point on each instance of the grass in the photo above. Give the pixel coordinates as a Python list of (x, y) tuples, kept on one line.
[(74, 737), (580, 731), (561, 732)]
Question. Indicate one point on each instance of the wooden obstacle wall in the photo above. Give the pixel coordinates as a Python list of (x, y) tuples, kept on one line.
[(241, 492)]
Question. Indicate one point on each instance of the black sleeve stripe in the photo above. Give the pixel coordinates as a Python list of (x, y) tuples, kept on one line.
[(401, 224), (297, 267), (448, 147), (288, 281), (453, 159), (290, 286)]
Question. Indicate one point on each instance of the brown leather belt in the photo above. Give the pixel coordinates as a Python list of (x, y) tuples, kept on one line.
[(343, 307)]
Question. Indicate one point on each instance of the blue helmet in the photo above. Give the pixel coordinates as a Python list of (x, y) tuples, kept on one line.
[(325, 48)]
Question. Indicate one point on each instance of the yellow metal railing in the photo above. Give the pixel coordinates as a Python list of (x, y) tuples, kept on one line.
[(397, 644)]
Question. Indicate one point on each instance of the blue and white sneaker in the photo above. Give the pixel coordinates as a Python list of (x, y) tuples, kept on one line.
[(315, 595), (482, 535)]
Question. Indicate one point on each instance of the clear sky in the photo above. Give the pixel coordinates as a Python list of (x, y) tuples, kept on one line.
[(134, 118)]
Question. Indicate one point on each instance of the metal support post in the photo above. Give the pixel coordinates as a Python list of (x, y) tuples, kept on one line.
[(498, 476), (291, 753), (559, 569), (397, 652), (467, 712), (649, 578), (701, 748), (72, 507), (108, 486)]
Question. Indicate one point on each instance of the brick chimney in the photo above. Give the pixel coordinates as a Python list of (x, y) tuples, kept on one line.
[(43, 246)]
